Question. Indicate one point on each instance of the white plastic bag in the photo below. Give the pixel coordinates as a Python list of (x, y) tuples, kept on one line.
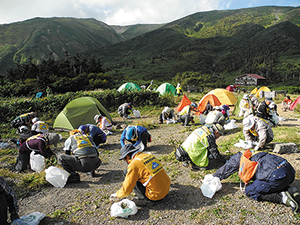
[(123, 208), (169, 121), (245, 144), (202, 119), (210, 185), (231, 125), (57, 176), (37, 162), (136, 113), (33, 218)]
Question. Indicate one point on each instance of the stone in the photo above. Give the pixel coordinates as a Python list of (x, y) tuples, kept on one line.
[(285, 148)]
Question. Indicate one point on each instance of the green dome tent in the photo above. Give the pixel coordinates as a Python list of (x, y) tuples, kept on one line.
[(166, 88), (78, 112), (129, 87)]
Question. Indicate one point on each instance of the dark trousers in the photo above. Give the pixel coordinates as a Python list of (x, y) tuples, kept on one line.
[(72, 163), (3, 210), (184, 119), (23, 161), (99, 138), (138, 189)]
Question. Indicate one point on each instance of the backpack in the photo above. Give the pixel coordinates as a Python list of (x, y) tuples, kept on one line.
[(247, 167)]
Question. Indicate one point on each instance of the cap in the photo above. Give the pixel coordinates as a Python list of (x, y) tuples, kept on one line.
[(225, 107), (129, 133), (22, 128), (126, 149), (218, 127), (96, 117), (194, 104), (54, 138), (248, 123), (82, 128), (245, 96), (35, 119)]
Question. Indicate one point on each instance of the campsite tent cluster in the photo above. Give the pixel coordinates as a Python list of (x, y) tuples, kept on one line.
[(165, 88)]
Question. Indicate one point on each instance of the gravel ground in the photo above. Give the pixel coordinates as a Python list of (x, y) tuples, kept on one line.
[(88, 202)]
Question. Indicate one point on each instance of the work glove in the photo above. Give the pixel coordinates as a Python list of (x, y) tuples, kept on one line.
[(113, 197), (256, 148), (18, 222)]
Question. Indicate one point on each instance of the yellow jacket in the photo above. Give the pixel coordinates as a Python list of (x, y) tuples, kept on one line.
[(157, 187)]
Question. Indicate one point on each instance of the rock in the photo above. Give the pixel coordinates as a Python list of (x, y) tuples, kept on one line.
[(285, 148)]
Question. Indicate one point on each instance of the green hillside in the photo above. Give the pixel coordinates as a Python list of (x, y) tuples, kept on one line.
[(228, 42), (39, 37)]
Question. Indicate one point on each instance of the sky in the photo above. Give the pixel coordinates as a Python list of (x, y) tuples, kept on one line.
[(123, 12)]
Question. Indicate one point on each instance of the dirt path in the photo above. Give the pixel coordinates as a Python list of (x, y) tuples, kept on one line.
[(87, 202)]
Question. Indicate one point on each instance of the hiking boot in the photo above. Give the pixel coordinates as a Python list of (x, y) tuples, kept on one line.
[(195, 167), (73, 178), (295, 194), (91, 173), (143, 202), (289, 201), (185, 164)]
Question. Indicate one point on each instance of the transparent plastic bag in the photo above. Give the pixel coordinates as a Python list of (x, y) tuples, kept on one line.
[(136, 113), (57, 176), (210, 185), (37, 162), (123, 208)]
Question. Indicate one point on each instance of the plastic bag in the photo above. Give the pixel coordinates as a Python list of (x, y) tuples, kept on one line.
[(57, 176), (3, 145), (169, 121), (136, 113), (210, 185), (123, 208), (202, 119), (37, 162), (231, 125), (245, 144), (33, 218)]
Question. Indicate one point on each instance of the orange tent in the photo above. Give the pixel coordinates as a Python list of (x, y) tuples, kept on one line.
[(184, 102), (213, 100)]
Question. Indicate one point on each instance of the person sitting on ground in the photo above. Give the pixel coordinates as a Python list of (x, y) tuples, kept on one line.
[(254, 101), (8, 202), (215, 116), (39, 126), (25, 133), (184, 116), (144, 175), (139, 136), (256, 129), (263, 110), (85, 156), (124, 109), (271, 180), (166, 114), (99, 137), (208, 108), (245, 106), (199, 146), (23, 120), (286, 103), (103, 123), (40, 144)]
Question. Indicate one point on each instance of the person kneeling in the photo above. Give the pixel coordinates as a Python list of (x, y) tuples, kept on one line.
[(86, 157), (144, 175)]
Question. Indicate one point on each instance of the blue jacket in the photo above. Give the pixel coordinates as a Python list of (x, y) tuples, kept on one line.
[(139, 130), (93, 130), (266, 166)]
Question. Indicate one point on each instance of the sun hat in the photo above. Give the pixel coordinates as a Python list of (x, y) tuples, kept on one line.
[(54, 138), (218, 127), (96, 117), (126, 149), (22, 128), (35, 119), (248, 123), (245, 96)]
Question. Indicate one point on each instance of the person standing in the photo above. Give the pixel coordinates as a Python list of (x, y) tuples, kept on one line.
[(144, 175), (85, 156), (178, 89)]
